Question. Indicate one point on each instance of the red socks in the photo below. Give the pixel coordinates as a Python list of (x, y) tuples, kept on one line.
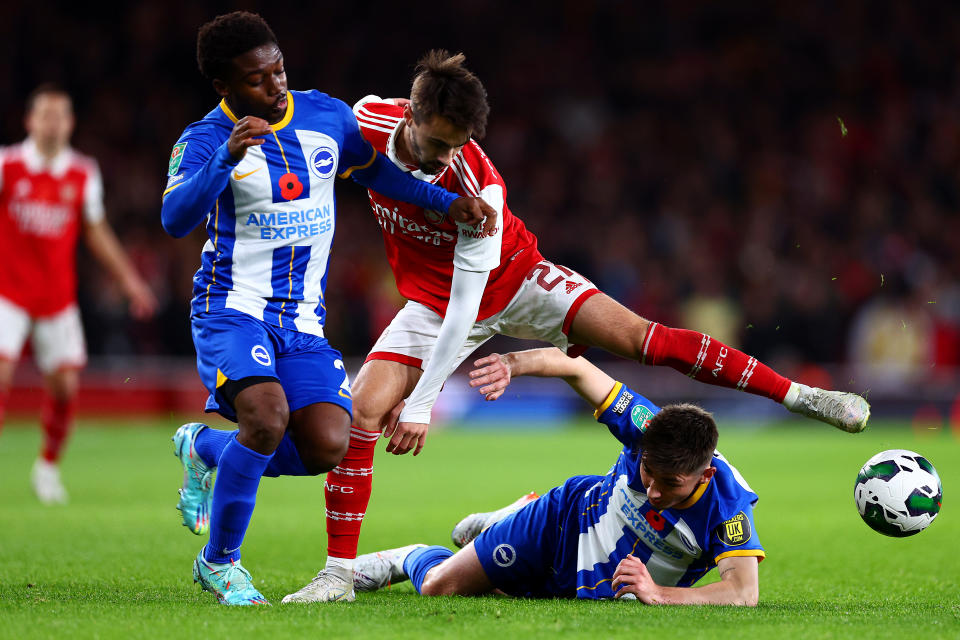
[(57, 419), (702, 358), (347, 492)]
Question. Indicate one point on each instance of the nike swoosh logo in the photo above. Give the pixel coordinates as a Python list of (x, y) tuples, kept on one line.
[(241, 176), (227, 552)]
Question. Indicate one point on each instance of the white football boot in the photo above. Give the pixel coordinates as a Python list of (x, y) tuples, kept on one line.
[(846, 411), (45, 478), (373, 571), (471, 526), (330, 585)]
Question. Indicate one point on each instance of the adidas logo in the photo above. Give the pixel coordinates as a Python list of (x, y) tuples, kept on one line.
[(571, 285)]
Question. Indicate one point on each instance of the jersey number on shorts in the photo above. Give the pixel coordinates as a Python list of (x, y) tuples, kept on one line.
[(543, 269)]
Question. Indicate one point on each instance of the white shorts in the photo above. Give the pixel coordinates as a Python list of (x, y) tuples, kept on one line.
[(542, 309), (57, 340)]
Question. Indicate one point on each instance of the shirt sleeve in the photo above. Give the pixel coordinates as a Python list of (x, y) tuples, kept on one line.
[(198, 173), (466, 291), (384, 177), (476, 250), (355, 152), (93, 209), (736, 536), (625, 413)]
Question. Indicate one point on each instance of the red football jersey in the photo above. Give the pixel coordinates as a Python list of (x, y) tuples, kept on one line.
[(423, 246), (42, 204)]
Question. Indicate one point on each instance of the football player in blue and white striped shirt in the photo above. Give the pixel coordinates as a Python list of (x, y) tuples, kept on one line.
[(259, 172), (669, 510)]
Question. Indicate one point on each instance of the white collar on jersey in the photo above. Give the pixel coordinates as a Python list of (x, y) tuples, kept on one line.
[(392, 154), (36, 162)]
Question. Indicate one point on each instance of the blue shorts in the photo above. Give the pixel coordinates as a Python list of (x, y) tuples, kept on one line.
[(533, 553), (232, 345)]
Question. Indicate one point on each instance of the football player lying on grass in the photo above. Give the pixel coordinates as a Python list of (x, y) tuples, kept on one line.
[(670, 509)]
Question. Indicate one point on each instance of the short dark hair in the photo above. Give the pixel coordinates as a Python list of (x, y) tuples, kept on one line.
[(443, 86), (228, 36), (681, 438), (46, 89)]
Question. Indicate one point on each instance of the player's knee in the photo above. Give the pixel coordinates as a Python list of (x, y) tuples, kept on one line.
[(439, 583), (264, 424), (63, 385), (434, 587), (324, 452), (366, 417)]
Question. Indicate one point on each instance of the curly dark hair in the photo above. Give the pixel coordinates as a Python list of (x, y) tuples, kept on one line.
[(681, 439), (228, 36), (443, 86)]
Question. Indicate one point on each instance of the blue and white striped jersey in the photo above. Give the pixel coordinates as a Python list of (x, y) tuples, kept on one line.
[(271, 217), (271, 229), (678, 545)]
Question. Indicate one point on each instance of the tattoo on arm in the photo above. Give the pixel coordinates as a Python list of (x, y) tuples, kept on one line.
[(727, 570)]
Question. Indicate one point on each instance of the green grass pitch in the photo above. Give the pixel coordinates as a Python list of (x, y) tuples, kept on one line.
[(115, 562)]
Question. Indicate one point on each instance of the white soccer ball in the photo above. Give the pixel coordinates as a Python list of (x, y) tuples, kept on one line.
[(898, 493)]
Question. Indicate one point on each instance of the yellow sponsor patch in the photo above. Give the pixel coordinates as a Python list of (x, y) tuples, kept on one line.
[(735, 531)]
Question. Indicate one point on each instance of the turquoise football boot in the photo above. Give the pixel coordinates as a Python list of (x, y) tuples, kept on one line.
[(230, 582), (197, 490)]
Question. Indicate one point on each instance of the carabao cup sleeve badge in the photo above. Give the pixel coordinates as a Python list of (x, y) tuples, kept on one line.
[(176, 157)]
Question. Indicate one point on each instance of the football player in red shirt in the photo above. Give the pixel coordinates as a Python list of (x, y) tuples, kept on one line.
[(49, 196)]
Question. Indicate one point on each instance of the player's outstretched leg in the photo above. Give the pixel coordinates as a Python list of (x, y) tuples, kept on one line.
[(195, 494), (374, 571), (230, 582), (846, 411), (471, 526), (603, 322)]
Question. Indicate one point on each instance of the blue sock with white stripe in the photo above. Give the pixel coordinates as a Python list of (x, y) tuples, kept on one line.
[(286, 460), (421, 560), (234, 495)]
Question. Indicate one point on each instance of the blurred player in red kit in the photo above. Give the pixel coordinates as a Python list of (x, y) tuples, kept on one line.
[(50, 195), (464, 286)]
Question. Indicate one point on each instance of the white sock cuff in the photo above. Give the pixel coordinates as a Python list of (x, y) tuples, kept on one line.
[(793, 393), (340, 564)]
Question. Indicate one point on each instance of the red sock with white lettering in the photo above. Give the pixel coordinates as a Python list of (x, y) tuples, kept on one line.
[(347, 492), (702, 358), (57, 419)]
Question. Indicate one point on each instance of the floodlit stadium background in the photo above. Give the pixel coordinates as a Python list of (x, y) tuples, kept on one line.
[(782, 176)]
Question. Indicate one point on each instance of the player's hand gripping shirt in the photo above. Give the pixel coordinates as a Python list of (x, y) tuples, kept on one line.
[(42, 206), (423, 245), (271, 217), (678, 545)]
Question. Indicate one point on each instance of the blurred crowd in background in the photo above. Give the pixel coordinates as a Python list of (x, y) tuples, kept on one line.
[(782, 175)]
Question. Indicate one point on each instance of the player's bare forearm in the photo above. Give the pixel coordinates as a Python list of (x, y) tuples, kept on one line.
[(105, 247), (738, 585), (493, 373)]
